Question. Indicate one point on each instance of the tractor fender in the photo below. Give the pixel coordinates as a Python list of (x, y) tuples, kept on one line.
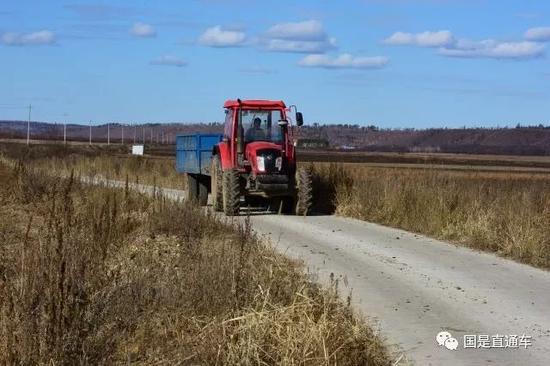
[(225, 155)]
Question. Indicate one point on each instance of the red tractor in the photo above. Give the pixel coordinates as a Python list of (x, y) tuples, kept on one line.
[(253, 163)]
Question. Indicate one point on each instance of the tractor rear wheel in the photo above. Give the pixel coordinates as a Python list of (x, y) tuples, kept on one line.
[(217, 186), (231, 192), (304, 195)]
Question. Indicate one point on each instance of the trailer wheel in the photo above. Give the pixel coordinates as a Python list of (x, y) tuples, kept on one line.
[(192, 187), (304, 195), (203, 190), (231, 192), (217, 186)]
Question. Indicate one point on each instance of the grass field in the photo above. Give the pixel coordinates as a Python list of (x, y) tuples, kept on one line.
[(503, 212), (92, 275)]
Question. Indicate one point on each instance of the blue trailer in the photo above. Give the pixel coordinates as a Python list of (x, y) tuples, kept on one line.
[(193, 157)]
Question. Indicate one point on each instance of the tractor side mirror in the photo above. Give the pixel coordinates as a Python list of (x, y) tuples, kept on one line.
[(299, 119)]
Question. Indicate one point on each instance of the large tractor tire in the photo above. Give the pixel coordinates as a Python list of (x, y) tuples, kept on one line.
[(192, 187), (304, 195), (231, 192), (217, 184)]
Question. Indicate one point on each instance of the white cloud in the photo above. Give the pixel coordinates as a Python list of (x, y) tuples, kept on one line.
[(300, 37), (283, 45), (344, 61), (168, 60), (219, 37), (494, 49), (450, 46), (143, 30), (541, 34), (309, 30), (424, 39), (43, 37)]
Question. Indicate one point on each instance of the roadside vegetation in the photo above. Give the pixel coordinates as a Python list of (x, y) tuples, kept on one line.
[(97, 161), (503, 212), (95, 275)]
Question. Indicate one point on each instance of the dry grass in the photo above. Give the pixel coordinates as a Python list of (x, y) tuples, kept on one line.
[(151, 171), (108, 162), (507, 213), (109, 276)]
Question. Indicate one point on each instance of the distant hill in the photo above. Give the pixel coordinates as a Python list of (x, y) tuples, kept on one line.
[(155, 132), (511, 141)]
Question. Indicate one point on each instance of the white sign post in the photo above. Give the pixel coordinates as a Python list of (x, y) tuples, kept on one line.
[(137, 149)]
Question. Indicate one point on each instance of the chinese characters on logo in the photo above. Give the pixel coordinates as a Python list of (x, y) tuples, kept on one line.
[(497, 341), (484, 341)]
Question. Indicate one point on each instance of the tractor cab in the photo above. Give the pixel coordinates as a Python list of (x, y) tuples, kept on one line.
[(258, 135)]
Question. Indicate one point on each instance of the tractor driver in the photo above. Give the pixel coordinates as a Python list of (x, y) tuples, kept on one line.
[(255, 132)]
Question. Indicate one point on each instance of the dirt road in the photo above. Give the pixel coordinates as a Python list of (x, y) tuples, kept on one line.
[(415, 287)]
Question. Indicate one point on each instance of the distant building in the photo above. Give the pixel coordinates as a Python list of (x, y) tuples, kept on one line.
[(312, 143), (347, 147)]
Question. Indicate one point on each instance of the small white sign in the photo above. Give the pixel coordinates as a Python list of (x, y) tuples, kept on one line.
[(137, 149)]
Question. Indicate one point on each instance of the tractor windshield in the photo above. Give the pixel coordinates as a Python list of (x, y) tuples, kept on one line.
[(261, 125)]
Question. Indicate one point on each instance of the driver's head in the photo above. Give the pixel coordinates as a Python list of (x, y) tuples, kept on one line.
[(257, 122)]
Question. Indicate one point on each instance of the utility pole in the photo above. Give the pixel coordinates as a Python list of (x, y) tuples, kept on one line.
[(143, 134), (65, 128), (151, 135), (122, 134), (108, 134), (90, 139), (135, 134), (29, 126)]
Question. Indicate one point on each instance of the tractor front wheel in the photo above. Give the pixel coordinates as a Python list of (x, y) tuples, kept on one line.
[(305, 192), (231, 192)]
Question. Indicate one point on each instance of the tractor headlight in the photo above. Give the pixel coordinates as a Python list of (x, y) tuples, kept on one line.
[(279, 163), (260, 163)]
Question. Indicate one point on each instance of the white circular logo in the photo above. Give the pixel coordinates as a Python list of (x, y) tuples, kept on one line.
[(451, 343), (442, 337)]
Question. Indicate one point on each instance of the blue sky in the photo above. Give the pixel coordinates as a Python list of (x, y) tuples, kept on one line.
[(394, 63)]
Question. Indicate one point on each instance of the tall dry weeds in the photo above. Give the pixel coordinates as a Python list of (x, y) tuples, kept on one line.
[(507, 213), (105, 276)]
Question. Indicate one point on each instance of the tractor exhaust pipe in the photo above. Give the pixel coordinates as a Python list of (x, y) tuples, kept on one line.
[(240, 132)]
